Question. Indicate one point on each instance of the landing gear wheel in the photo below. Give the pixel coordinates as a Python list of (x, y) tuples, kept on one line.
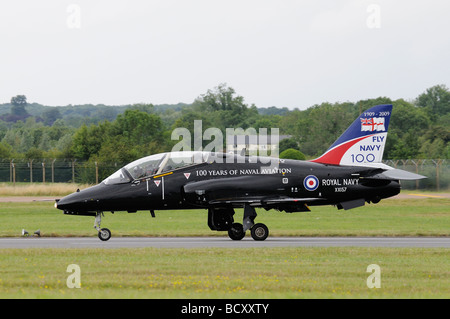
[(236, 232), (104, 234), (259, 231)]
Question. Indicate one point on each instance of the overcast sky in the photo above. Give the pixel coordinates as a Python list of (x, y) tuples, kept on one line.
[(285, 53)]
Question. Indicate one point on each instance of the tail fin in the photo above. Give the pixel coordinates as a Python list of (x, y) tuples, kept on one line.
[(363, 142)]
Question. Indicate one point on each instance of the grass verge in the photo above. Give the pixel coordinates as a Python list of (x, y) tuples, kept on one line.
[(225, 273), (39, 189)]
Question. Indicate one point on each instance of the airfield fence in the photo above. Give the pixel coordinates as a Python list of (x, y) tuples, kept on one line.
[(74, 171)]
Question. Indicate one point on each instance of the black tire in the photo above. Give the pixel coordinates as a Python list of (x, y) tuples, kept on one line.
[(104, 234), (259, 231), (236, 232)]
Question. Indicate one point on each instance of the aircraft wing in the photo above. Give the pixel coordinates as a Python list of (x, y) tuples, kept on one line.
[(293, 200), (288, 205), (401, 174), (291, 204), (394, 174), (233, 192), (274, 200)]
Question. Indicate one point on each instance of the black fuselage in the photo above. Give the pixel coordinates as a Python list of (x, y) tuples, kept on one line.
[(284, 186)]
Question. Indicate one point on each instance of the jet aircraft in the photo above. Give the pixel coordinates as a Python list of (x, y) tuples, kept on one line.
[(349, 174)]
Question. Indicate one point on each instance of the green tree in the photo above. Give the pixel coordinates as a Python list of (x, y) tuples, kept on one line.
[(288, 143), (138, 127), (407, 117), (34, 153), (221, 98), (18, 103), (225, 108), (435, 100), (319, 126), (290, 153), (132, 135), (405, 124), (5, 150), (51, 115), (19, 100), (87, 141)]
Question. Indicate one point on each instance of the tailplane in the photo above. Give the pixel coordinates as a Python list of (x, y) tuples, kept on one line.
[(362, 144)]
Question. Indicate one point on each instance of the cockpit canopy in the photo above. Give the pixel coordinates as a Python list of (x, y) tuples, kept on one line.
[(156, 164)]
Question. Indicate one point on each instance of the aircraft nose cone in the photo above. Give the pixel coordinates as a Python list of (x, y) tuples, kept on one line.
[(76, 205), (65, 203), (80, 201)]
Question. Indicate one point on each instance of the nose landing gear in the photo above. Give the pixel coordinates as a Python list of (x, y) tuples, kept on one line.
[(103, 233)]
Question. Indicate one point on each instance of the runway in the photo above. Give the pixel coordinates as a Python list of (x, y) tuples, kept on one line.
[(222, 242)]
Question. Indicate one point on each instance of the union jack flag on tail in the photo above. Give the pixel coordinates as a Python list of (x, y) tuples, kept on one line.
[(372, 124)]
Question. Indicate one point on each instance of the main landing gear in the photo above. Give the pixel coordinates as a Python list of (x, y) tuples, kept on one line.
[(259, 231), (103, 233), (221, 219)]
